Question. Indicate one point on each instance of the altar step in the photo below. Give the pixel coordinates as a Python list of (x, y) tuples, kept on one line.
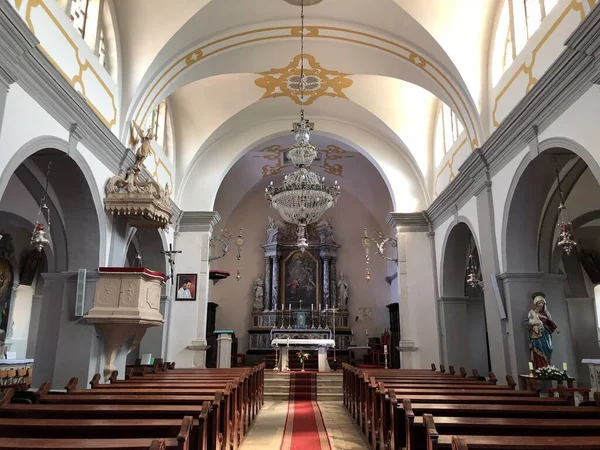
[(329, 386)]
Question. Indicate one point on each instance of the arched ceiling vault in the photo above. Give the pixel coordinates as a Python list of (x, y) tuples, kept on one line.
[(384, 66)]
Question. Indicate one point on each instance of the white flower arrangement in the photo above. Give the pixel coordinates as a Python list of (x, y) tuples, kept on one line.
[(550, 373)]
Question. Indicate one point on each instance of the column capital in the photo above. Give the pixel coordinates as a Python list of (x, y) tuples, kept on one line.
[(409, 222), (202, 221)]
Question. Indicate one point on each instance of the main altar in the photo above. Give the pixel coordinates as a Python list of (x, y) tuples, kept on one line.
[(301, 296)]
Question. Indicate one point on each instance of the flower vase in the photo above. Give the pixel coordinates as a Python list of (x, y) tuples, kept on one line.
[(302, 366)]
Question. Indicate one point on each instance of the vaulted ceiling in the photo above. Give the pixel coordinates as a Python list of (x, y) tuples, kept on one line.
[(381, 66)]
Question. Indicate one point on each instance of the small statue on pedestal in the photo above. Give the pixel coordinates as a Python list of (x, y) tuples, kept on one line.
[(541, 326), (259, 292), (273, 230), (343, 289)]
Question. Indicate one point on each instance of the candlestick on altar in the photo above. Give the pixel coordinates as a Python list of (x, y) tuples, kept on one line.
[(276, 368), (385, 356)]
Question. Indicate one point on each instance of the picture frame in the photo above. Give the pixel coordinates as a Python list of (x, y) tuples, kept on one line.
[(186, 287)]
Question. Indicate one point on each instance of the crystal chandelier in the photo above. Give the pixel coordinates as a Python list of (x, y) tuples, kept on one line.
[(472, 271), (40, 236), (303, 197), (565, 235)]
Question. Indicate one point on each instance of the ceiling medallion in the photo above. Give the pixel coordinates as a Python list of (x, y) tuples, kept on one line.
[(277, 156), (306, 2), (319, 82)]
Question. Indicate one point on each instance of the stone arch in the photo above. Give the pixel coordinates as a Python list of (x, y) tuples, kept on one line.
[(450, 249), (464, 331), (218, 158), (527, 201), (73, 167)]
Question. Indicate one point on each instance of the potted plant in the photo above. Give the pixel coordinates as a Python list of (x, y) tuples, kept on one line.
[(302, 356), (550, 373)]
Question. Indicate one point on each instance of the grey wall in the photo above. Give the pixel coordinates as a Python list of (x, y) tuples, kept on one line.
[(518, 289)]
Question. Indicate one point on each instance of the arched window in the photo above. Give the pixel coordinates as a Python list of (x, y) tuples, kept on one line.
[(93, 21), (518, 21), (159, 122), (447, 130)]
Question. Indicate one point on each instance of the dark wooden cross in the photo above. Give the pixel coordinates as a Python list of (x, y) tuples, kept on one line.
[(170, 254)]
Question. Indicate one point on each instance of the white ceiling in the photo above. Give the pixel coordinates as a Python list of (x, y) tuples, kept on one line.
[(389, 96)]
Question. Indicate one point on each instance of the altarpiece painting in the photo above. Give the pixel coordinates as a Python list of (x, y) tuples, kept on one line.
[(301, 280)]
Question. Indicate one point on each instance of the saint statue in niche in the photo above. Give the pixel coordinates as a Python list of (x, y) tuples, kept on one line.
[(342, 286), (259, 292), (541, 326)]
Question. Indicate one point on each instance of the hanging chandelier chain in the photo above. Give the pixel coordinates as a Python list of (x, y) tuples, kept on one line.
[(302, 81), (560, 191), (45, 196)]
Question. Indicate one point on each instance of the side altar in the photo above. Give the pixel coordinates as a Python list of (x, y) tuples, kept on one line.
[(300, 295)]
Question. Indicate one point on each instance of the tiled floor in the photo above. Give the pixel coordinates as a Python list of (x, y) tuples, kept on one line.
[(267, 431)]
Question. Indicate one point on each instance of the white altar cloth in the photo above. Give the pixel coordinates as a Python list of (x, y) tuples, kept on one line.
[(303, 344)]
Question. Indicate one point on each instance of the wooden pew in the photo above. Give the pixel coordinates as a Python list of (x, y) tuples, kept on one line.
[(223, 417), (87, 444), (185, 432), (427, 428), (413, 414), (51, 421), (143, 402), (516, 443), (388, 419)]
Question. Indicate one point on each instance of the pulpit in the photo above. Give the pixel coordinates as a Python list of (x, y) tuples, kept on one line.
[(126, 304)]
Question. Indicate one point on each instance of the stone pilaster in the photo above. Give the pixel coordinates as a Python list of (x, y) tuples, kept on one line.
[(275, 281), (326, 286), (66, 346), (267, 291), (333, 282), (488, 253), (187, 340)]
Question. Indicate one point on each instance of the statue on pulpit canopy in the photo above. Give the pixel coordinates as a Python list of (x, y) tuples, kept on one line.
[(259, 293), (342, 286), (541, 326)]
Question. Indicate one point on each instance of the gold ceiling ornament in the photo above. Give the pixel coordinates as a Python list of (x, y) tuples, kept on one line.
[(277, 156), (143, 201), (320, 82)]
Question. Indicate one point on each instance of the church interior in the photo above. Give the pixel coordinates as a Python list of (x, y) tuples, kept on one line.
[(299, 224)]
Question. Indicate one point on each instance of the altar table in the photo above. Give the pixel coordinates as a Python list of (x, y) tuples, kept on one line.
[(303, 344)]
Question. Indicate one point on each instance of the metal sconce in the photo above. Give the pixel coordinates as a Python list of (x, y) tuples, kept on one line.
[(472, 270), (380, 249), (225, 238)]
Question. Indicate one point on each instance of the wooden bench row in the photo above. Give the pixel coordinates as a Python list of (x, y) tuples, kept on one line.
[(426, 409), (200, 409)]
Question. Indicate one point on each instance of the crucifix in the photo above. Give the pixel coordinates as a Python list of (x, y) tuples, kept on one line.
[(170, 254)]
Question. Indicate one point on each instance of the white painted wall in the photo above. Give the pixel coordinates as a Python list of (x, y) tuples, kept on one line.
[(349, 218)]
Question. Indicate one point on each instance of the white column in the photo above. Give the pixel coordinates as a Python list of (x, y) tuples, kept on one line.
[(187, 339), (224, 351), (419, 335)]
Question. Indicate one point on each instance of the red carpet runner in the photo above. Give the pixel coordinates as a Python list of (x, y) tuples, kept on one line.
[(304, 427)]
